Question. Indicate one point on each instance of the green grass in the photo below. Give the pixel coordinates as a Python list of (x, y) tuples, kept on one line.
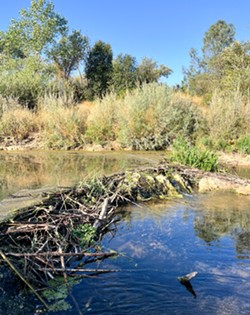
[(243, 144), (187, 154)]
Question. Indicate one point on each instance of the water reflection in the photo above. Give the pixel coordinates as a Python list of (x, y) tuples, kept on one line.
[(224, 214), (21, 170), (159, 243)]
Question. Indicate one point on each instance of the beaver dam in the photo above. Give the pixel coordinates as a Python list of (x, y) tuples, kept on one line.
[(59, 236)]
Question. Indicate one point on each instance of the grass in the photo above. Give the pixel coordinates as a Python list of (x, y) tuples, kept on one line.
[(228, 117), (187, 154), (18, 123), (62, 123), (243, 144)]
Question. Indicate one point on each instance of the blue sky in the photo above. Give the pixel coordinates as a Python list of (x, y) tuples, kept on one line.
[(159, 29)]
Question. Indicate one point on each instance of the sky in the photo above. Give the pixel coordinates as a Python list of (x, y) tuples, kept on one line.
[(163, 30)]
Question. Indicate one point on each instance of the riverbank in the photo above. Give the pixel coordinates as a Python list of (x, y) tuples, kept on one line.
[(34, 142)]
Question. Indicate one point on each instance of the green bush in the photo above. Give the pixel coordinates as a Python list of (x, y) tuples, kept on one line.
[(152, 116), (187, 154), (85, 234), (243, 144), (24, 79)]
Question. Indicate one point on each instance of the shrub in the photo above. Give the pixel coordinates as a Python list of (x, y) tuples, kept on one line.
[(7, 104), (152, 116), (24, 79), (229, 116), (187, 154), (243, 144), (102, 122)]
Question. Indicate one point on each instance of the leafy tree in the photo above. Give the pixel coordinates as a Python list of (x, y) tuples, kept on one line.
[(35, 29), (207, 73), (231, 68), (68, 53), (219, 36), (23, 71), (148, 71), (98, 69), (124, 73)]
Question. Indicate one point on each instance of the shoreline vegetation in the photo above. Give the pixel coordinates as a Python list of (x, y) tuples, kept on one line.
[(150, 117), (58, 92)]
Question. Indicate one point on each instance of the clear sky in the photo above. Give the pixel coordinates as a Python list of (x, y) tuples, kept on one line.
[(163, 30)]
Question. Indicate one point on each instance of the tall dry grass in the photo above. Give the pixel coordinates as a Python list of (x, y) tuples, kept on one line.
[(102, 122), (228, 116), (62, 123), (18, 123)]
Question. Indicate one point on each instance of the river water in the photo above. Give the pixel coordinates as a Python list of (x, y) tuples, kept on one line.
[(158, 242)]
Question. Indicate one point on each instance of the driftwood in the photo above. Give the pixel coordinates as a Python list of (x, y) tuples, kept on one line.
[(41, 241)]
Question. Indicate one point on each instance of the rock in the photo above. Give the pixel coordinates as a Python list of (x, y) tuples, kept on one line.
[(213, 183)]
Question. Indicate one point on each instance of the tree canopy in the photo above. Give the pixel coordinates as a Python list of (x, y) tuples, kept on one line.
[(69, 52), (98, 69), (223, 64)]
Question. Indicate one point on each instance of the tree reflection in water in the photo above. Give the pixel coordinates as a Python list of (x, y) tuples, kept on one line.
[(224, 214)]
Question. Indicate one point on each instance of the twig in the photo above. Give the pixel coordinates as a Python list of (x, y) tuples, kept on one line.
[(58, 254), (23, 279), (79, 270)]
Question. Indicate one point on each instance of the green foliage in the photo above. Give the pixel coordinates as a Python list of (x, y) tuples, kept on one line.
[(152, 116), (231, 68), (124, 73), (23, 72), (219, 36), (147, 118), (98, 69), (34, 30), (24, 79), (85, 234), (93, 188), (243, 144), (69, 52), (148, 71), (224, 64), (187, 154), (57, 293)]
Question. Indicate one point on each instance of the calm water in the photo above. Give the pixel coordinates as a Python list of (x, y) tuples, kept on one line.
[(31, 170), (209, 234), (157, 243)]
